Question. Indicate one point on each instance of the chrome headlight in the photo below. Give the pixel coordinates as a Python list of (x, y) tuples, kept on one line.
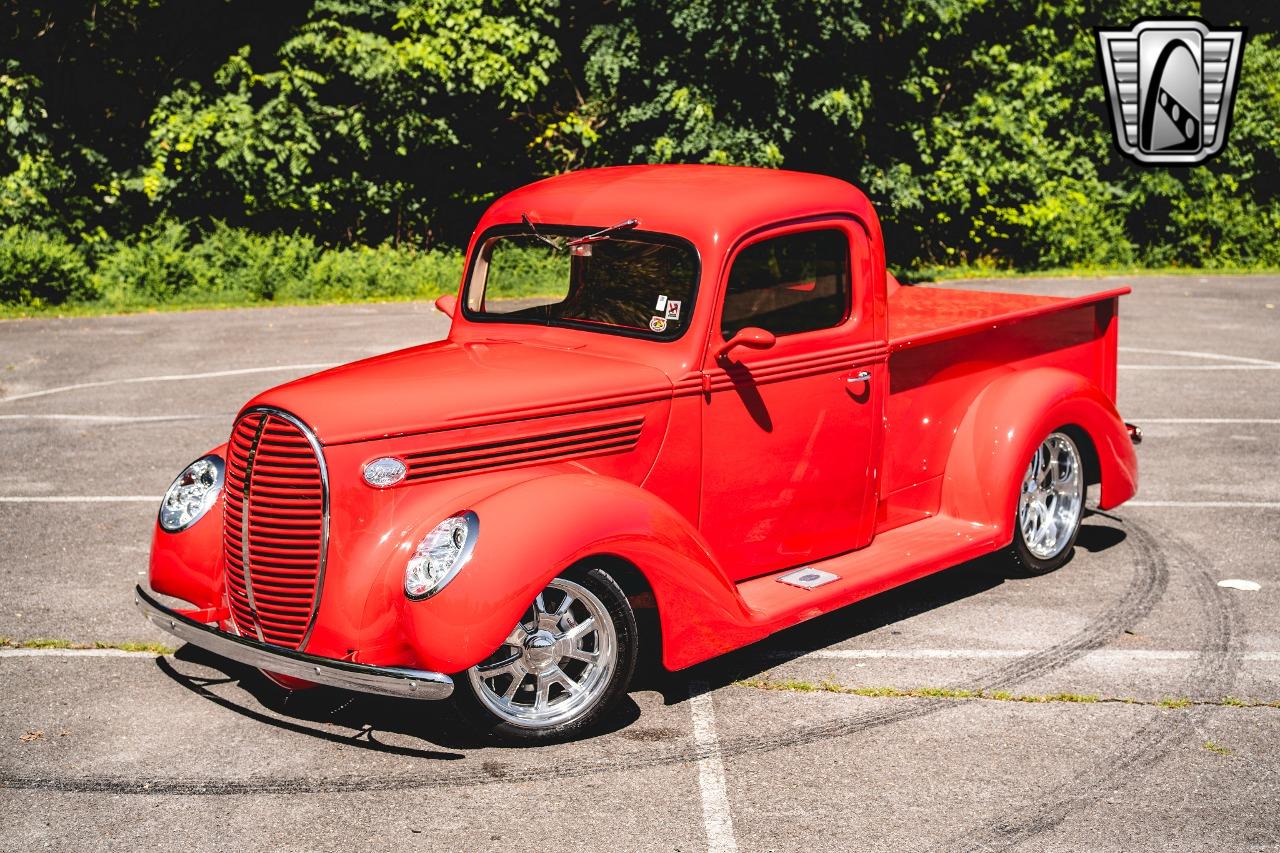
[(440, 555), (191, 495)]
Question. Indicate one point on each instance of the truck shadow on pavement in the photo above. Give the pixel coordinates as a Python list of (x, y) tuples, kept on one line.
[(384, 724)]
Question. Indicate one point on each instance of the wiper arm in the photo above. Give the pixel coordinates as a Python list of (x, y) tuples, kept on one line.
[(604, 233), (524, 217)]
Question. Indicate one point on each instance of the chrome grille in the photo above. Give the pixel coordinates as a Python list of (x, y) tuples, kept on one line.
[(275, 526)]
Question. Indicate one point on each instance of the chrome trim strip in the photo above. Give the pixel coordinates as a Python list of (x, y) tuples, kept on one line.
[(245, 512), (386, 681), (324, 506)]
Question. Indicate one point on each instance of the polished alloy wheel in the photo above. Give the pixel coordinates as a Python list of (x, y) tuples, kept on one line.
[(556, 663), (1052, 494)]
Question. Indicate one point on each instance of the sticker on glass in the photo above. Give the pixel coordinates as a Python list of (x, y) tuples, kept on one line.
[(658, 324), (662, 303), (673, 309)]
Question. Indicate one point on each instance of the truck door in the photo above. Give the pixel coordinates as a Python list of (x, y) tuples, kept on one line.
[(792, 432)]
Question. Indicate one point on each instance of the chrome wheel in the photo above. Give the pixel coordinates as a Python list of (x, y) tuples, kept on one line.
[(555, 664), (1052, 497)]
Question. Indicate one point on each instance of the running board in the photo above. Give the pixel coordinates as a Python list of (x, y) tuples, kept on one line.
[(895, 557)]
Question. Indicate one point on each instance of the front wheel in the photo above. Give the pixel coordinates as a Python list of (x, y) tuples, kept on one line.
[(564, 664), (1050, 506)]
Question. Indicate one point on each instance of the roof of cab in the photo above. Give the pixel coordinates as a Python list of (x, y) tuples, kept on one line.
[(699, 202)]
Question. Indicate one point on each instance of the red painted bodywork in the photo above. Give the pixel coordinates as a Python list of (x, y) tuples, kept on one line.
[(709, 477)]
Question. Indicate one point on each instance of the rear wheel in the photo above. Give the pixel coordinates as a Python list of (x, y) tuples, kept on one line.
[(564, 664), (1050, 506)]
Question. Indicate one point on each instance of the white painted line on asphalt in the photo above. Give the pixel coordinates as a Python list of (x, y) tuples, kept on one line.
[(1207, 504), (116, 419), (172, 377), (1211, 356), (1198, 366), (1098, 655), (74, 653), (75, 499), (711, 780), (1141, 421)]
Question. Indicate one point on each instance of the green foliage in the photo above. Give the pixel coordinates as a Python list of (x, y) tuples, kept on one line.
[(978, 128), (517, 272), (152, 268), (170, 265), (378, 118), (39, 269), (234, 150), (386, 272)]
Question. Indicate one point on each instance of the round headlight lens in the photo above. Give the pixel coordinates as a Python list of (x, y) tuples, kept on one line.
[(440, 555), (191, 495)]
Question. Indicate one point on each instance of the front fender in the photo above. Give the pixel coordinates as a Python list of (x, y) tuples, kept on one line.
[(532, 531), (188, 564), (1001, 429)]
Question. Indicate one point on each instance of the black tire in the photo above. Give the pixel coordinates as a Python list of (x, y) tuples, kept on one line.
[(1022, 553), (611, 686)]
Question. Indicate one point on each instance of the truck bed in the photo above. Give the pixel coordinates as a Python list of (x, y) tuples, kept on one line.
[(946, 345), (919, 315)]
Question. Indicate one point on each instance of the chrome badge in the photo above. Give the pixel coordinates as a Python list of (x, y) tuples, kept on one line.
[(1171, 83)]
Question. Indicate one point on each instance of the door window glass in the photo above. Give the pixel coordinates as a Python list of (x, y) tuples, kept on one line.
[(794, 283)]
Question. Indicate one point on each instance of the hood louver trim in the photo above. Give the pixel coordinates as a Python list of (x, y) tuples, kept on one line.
[(613, 437)]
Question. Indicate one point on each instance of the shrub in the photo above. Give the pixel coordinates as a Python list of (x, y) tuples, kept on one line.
[(363, 272), (234, 265), (38, 268), (170, 264), (153, 269)]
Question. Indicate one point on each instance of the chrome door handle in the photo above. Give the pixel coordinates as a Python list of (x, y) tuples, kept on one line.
[(860, 376)]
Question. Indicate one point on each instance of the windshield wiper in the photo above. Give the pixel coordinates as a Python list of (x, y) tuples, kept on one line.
[(524, 217), (604, 233)]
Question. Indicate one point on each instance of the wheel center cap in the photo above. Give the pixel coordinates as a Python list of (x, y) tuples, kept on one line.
[(539, 651)]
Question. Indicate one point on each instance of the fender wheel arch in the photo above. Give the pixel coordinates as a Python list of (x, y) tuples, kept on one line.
[(644, 604)]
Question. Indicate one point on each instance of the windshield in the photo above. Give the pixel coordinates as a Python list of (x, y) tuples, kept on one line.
[(624, 282)]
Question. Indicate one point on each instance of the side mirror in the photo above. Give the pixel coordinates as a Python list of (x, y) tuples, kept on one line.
[(447, 304), (750, 337)]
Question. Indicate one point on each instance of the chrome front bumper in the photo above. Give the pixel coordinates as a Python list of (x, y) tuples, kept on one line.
[(387, 681)]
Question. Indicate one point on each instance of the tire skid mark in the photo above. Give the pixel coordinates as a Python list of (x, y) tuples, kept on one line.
[(1216, 669), (1145, 588)]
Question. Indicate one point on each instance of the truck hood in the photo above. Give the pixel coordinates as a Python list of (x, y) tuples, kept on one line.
[(446, 385)]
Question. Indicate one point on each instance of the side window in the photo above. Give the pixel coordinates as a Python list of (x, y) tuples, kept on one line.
[(795, 283)]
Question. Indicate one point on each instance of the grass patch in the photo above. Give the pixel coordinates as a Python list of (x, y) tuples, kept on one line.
[(125, 646), (38, 643), (961, 273), (1212, 746), (911, 693), (964, 694)]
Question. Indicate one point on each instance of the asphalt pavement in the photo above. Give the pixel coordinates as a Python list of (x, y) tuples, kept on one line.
[(1125, 702)]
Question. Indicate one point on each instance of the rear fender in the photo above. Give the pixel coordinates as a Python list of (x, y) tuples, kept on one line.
[(535, 530), (1004, 425)]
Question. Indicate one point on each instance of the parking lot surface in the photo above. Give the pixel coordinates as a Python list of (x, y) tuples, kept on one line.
[(1125, 702)]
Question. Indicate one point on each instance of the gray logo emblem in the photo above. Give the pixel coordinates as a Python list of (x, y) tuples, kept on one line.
[(1171, 83)]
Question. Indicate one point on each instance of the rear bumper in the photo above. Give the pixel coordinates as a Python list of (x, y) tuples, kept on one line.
[(387, 681)]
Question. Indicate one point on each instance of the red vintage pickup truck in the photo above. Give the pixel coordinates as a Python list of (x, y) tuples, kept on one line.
[(691, 392)]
